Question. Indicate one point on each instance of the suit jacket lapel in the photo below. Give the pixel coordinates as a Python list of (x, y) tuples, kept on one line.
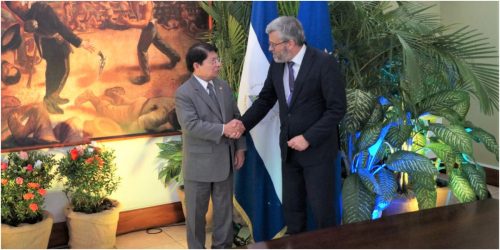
[(202, 93), (305, 67), (280, 89), (220, 98)]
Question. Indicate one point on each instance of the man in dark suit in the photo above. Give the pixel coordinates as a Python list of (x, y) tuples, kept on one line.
[(205, 105), (53, 40), (310, 92)]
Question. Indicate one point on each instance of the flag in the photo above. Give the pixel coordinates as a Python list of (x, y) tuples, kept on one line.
[(258, 182), (315, 19)]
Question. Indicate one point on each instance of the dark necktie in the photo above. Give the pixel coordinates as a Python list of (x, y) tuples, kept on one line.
[(291, 81), (211, 93)]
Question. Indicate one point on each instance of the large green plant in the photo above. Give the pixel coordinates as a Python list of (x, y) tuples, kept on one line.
[(403, 70), (170, 168)]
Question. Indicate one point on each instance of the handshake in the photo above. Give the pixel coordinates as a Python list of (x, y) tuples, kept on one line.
[(234, 129)]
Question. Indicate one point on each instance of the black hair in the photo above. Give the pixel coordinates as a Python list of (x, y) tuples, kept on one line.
[(10, 80), (198, 53)]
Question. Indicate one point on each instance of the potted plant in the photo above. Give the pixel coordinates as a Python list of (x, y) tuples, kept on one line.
[(88, 174), (409, 81), (25, 178), (170, 169)]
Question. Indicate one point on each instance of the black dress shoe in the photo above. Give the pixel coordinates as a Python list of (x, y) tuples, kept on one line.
[(172, 63), (52, 107), (60, 100), (140, 80)]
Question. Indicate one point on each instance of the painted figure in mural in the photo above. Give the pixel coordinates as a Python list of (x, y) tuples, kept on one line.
[(53, 40), (204, 105), (310, 91), (30, 124), (149, 35), (156, 114), (10, 73)]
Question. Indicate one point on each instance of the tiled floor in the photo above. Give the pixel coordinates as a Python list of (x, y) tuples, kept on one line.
[(175, 236)]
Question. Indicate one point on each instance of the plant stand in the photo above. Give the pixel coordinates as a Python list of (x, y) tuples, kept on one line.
[(28, 235), (93, 230)]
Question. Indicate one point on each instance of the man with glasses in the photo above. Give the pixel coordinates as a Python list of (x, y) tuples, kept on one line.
[(205, 105), (310, 91)]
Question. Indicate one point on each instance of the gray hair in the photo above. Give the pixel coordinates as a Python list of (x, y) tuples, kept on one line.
[(289, 28)]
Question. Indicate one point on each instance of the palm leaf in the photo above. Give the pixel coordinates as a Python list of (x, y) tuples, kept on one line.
[(489, 141), (368, 137), (369, 180), (398, 135), (443, 100), (387, 184)]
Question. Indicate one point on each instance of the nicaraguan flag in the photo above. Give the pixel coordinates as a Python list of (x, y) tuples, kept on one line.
[(258, 183), (315, 19)]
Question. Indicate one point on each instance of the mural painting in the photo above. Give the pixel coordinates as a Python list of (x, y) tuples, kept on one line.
[(73, 71)]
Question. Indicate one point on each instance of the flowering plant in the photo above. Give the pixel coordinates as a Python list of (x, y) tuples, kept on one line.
[(88, 175), (25, 178)]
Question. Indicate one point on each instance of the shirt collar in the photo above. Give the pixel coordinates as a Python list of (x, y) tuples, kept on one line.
[(297, 60), (202, 82)]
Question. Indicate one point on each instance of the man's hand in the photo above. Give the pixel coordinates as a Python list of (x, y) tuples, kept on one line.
[(88, 46), (234, 129), (239, 159), (298, 143)]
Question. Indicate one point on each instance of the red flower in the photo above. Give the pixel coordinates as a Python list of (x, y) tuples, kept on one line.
[(89, 160), (28, 196), (74, 154), (33, 207), (19, 180), (4, 165), (42, 191), (29, 167), (33, 185), (4, 182)]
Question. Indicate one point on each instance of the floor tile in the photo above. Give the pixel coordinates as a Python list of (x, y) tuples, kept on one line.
[(142, 239)]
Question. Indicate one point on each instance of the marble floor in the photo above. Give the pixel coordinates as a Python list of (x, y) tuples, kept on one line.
[(174, 236)]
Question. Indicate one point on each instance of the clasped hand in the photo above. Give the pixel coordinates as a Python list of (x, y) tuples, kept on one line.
[(234, 129)]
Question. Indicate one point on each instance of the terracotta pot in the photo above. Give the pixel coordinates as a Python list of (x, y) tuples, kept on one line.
[(96, 230), (28, 235), (210, 212)]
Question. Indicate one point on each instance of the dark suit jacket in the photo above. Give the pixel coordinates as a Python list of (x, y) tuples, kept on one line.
[(317, 106), (50, 27)]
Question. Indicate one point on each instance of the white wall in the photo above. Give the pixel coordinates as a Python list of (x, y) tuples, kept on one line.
[(482, 16), (136, 165)]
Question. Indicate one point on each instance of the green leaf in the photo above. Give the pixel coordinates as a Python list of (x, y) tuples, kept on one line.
[(357, 201), (476, 180), (359, 109), (453, 135), (486, 138), (369, 180), (376, 117), (398, 135), (444, 99), (387, 183), (460, 187), (444, 152), (424, 187), (462, 108), (410, 162), (368, 137), (419, 141)]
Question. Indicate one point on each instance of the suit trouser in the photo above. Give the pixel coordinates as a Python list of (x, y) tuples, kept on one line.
[(197, 198), (308, 184), (149, 35), (56, 74)]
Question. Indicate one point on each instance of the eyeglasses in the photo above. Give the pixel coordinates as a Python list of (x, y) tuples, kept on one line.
[(274, 45), (214, 61)]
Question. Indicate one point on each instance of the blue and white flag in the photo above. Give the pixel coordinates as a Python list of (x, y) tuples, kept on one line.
[(258, 183), (315, 19)]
